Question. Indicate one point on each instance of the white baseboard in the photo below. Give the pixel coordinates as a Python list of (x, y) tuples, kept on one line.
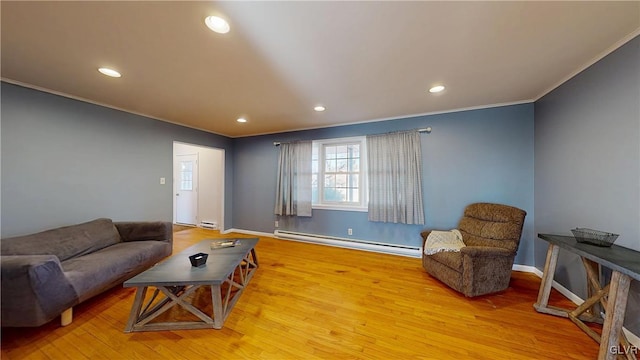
[(633, 339), (526, 268), (247, 232)]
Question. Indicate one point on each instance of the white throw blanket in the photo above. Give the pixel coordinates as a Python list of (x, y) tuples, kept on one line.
[(438, 241)]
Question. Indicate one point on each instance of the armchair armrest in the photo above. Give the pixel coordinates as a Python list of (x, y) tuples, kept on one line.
[(485, 269), (34, 289), (425, 234), (145, 230), (486, 251)]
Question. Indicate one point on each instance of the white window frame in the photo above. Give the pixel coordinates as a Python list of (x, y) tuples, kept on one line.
[(363, 188)]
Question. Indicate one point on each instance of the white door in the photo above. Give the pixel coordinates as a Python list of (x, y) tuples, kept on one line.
[(186, 189)]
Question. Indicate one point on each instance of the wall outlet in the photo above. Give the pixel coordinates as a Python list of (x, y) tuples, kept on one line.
[(162, 181), (277, 223), (349, 231)]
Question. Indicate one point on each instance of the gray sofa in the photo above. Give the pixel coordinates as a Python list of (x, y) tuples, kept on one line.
[(45, 274)]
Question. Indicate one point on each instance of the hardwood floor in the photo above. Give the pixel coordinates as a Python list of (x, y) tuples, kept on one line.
[(179, 227), (317, 302)]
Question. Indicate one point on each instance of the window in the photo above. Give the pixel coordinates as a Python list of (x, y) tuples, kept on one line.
[(186, 175), (339, 174)]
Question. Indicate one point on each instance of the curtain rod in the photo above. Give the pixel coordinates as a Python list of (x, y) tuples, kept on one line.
[(423, 130)]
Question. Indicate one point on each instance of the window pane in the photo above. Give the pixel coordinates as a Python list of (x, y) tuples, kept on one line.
[(341, 180), (354, 150), (314, 166), (342, 151), (330, 152), (329, 181), (332, 195), (186, 175), (354, 165), (341, 165), (353, 181), (330, 166), (186, 185), (355, 195)]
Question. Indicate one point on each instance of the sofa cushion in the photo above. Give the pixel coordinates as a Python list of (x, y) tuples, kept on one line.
[(65, 242), (96, 272)]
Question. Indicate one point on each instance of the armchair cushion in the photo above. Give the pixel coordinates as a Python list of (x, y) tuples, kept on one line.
[(452, 260)]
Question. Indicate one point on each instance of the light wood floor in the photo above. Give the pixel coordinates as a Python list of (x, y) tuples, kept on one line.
[(317, 302)]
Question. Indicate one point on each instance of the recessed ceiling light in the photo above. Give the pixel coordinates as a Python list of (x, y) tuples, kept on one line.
[(241, 120), (319, 108), (109, 72), (217, 24), (436, 89)]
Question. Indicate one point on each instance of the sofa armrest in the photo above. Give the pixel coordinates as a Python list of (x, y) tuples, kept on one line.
[(34, 289), (145, 230)]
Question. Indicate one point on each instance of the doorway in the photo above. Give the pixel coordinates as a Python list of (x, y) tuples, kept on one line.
[(198, 184)]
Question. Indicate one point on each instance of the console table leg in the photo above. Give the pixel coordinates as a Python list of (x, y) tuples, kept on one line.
[(614, 317), (593, 284), (547, 278)]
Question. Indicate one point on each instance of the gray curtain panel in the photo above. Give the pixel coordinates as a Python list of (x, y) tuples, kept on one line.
[(395, 178), (293, 188)]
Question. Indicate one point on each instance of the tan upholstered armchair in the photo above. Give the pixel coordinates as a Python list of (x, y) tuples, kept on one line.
[(491, 233)]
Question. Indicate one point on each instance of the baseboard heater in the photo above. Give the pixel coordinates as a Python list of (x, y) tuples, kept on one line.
[(208, 225), (403, 250)]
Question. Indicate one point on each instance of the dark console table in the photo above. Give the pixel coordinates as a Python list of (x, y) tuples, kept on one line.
[(625, 264)]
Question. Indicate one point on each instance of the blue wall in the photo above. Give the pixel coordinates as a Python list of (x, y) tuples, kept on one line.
[(66, 161), (471, 156), (587, 167)]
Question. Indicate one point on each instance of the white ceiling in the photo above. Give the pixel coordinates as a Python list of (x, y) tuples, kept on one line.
[(364, 61)]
